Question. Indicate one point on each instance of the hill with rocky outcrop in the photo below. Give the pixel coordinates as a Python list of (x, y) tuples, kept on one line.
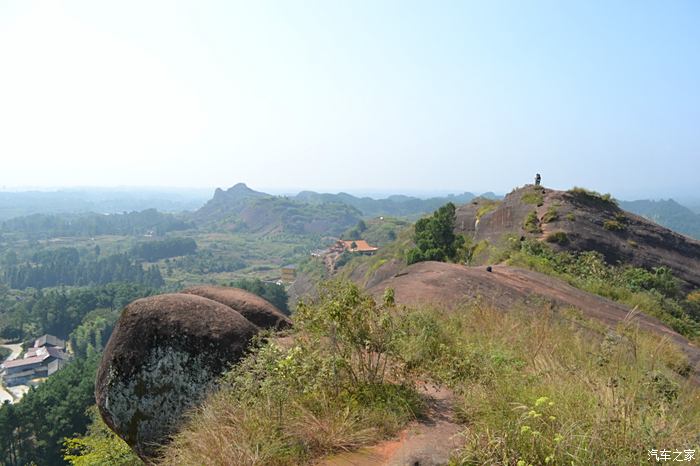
[(244, 210), (580, 220)]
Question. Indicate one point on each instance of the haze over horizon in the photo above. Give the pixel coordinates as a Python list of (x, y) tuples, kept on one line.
[(368, 97)]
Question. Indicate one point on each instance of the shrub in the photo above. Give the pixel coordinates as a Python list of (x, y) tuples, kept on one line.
[(551, 215), (558, 237), (592, 196), (570, 217), (531, 224), (98, 446), (613, 225), (534, 196), (486, 207), (360, 330), (327, 390), (654, 292)]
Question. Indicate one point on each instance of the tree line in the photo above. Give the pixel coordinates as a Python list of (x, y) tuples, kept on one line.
[(164, 248), (60, 311), (149, 221), (65, 266)]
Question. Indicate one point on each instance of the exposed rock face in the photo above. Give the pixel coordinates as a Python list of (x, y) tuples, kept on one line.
[(587, 223), (254, 308), (452, 285), (165, 354)]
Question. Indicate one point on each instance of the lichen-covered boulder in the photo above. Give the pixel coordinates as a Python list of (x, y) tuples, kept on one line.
[(254, 308), (164, 356)]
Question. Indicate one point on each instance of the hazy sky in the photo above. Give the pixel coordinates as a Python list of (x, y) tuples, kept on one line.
[(350, 95)]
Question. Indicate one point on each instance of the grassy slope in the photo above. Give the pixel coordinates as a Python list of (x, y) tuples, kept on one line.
[(530, 387)]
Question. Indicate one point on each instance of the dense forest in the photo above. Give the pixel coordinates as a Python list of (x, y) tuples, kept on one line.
[(66, 266), (60, 311), (161, 249)]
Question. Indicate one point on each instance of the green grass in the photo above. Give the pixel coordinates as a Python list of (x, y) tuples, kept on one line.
[(551, 215), (286, 405), (531, 224), (592, 197), (530, 386), (653, 292), (558, 237), (613, 225), (551, 392), (486, 206), (533, 196)]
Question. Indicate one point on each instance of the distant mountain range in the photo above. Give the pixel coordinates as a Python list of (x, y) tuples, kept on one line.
[(243, 209), (668, 213)]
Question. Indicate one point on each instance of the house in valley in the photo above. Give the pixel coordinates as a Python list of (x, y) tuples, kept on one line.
[(46, 357)]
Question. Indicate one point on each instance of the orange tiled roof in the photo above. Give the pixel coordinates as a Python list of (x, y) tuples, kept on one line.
[(360, 246)]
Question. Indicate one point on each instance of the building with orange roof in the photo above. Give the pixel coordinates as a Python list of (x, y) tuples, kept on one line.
[(358, 245)]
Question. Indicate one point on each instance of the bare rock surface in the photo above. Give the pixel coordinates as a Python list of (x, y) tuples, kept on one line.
[(505, 287), (254, 308), (164, 356), (586, 223)]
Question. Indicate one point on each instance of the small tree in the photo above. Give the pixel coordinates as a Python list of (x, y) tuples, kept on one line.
[(361, 332), (435, 237)]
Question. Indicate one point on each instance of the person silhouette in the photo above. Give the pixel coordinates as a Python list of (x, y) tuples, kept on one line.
[(538, 179)]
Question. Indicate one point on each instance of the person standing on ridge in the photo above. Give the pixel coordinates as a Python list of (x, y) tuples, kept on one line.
[(538, 179)]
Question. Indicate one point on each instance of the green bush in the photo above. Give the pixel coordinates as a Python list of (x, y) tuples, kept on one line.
[(533, 196), (558, 237), (327, 390), (613, 225), (551, 215), (654, 292), (99, 446), (531, 224), (486, 207), (592, 197)]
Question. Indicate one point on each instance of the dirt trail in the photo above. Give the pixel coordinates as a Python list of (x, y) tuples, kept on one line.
[(436, 283), (425, 442)]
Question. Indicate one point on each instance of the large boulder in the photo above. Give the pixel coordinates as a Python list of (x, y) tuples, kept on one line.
[(254, 308), (164, 356)]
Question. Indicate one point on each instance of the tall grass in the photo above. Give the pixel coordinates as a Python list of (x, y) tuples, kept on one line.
[(537, 387), (532, 386), (332, 386)]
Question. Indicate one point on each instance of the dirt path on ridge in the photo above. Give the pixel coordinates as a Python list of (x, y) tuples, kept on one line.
[(426, 442)]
